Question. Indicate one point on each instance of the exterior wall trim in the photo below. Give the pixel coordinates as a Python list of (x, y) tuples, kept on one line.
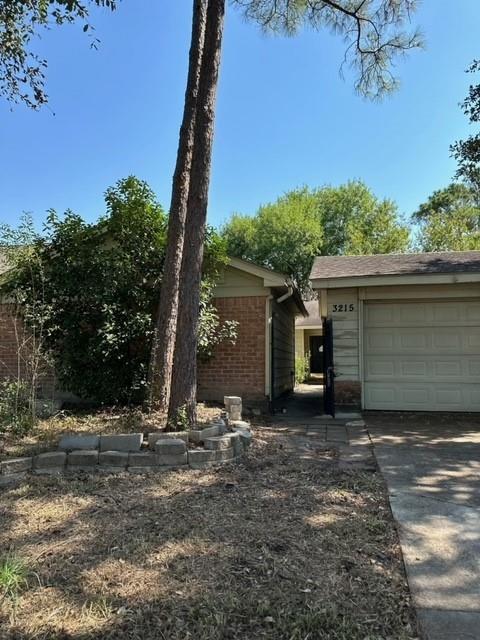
[(393, 280)]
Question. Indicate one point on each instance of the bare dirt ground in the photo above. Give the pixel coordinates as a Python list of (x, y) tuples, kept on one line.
[(276, 548)]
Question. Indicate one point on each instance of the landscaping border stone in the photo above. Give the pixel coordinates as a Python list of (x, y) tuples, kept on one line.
[(116, 453)]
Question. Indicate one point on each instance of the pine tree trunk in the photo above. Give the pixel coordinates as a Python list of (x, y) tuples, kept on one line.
[(161, 359), (184, 378)]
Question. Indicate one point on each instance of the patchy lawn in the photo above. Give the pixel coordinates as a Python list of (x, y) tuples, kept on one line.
[(273, 548), (47, 432)]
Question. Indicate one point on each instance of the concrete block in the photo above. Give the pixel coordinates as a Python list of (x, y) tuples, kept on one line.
[(200, 455), (224, 455), (200, 435), (170, 446), (15, 465), (73, 441), (235, 412), (229, 401), (203, 465), (47, 461), (113, 459), (219, 442), (121, 442), (172, 460), (142, 460), (50, 471), (246, 437), (235, 442), (12, 479), (82, 458), (239, 424), (162, 435)]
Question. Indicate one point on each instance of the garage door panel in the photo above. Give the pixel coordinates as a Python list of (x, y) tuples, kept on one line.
[(441, 340), (426, 397), (423, 313), (415, 368), (422, 356)]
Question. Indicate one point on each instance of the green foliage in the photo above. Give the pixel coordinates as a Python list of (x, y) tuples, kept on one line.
[(100, 287), (211, 331), (467, 152), (449, 220), (17, 408), (21, 69), (302, 368), (13, 576), (287, 234), (181, 421)]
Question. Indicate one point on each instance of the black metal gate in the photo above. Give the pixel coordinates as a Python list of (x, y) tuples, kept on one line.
[(328, 370)]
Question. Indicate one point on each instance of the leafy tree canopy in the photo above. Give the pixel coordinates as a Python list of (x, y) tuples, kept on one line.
[(287, 234), (95, 287), (449, 220), (22, 71), (467, 152)]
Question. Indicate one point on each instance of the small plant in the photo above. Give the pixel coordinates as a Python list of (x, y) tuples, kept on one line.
[(302, 368), (180, 422), (17, 407), (13, 576)]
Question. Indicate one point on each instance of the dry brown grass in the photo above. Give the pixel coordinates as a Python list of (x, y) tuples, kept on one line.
[(273, 548), (48, 431)]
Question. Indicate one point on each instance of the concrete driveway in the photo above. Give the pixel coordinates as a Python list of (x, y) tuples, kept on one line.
[(431, 463)]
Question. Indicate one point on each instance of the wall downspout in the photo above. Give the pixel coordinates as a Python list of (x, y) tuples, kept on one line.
[(285, 296)]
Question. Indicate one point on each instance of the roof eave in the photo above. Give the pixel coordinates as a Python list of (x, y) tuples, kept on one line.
[(392, 280)]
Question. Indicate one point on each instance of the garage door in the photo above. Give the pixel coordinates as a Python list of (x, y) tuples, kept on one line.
[(422, 356)]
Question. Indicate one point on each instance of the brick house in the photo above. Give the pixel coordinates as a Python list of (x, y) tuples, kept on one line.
[(261, 365)]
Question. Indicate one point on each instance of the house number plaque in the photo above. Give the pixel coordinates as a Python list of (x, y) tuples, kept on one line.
[(342, 308)]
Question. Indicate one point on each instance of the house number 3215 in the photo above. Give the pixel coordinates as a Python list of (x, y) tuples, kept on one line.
[(343, 307)]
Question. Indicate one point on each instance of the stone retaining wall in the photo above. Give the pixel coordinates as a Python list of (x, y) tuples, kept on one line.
[(215, 444)]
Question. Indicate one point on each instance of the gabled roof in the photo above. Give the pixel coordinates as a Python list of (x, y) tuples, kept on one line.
[(270, 278), (313, 319), (399, 264)]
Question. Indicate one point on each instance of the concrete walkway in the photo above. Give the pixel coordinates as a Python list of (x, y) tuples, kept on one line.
[(431, 464), (306, 433)]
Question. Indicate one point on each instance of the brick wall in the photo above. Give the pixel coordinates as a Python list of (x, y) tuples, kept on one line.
[(237, 369), (11, 364)]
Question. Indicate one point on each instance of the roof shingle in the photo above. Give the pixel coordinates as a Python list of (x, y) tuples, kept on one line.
[(325, 267)]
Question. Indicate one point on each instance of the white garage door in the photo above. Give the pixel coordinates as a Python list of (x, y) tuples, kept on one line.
[(422, 356)]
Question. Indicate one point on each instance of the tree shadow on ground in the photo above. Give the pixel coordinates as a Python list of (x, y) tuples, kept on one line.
[(274, 548), (432, 466)]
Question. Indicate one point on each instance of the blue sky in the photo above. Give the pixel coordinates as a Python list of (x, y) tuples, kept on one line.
[(285, 117)]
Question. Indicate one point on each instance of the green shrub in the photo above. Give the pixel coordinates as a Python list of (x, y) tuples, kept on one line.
[(17, 409), (302, 368), (181, 422), (100, 286)]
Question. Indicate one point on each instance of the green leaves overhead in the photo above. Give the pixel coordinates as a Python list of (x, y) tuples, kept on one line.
[(22, 71), (467, 152), (287, 234), (449, 220)]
